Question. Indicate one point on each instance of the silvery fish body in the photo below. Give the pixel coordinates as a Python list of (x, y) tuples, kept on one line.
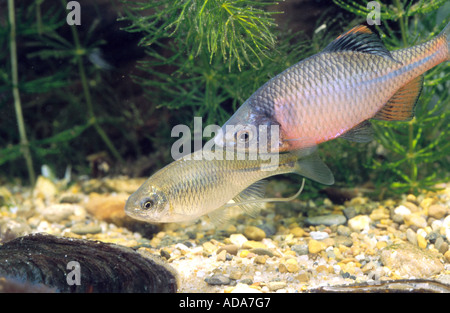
[(189, 187), (334, 93)]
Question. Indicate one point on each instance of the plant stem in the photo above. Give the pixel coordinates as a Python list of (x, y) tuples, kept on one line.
[(87, 94), (25, 146), (402, 22)]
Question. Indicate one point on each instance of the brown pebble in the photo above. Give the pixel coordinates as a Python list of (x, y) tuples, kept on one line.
[(303, 277), (262, 251), (231, 249), (254, 233), (297, 232), (411, 206), (437, 211), (222, 256), (447, 256), (260, 259)]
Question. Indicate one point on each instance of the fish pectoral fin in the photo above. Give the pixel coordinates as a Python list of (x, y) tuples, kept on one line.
[(363, 132), (312, 167), (360, 39), (401, 106)]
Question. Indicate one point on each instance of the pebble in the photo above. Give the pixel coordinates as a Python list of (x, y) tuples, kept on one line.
[(421, 241), (411, 236), (218, 279), (45, 189), (13, 228), (318, 235), (276, 285), (109, 208), (238, 240), (402, 210), (260, 259), (58, 212), (343, 230), (300, 249), (410, 261), (84, 229), (411, 206), (415, 220), (327, 220), (262, 251), (349, 212), (290, 265), (231, 249), (437, 211), (359, 223), (315, 246), (222, 256), (343, 240), (297, 231), (447, 256), (254, 233), (244, 288), (378, 214), (251, 244), (446, 226)]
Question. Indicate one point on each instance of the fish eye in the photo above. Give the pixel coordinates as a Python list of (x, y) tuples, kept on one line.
[(147, 203), (243, 135)]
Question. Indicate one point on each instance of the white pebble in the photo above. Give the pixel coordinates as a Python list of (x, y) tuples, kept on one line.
[(421, 232), (402, 210), (436, 225), (318, 235)]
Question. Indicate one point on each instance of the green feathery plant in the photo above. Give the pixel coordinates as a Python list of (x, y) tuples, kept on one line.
[(65, 60), (416, 152), (208, 56)]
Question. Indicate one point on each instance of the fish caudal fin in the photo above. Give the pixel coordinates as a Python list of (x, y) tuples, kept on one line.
[(401, 106)]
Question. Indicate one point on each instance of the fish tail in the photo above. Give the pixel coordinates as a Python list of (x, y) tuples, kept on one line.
[(446, 34)]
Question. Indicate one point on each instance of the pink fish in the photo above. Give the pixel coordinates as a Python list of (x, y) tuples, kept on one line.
[(335, 93)]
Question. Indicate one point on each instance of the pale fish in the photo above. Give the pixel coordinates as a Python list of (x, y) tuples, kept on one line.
[(192, 187)]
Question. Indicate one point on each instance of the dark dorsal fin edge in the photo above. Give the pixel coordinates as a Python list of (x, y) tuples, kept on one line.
[(360, 39)]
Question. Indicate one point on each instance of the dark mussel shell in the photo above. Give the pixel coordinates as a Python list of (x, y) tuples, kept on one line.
[(95, 266)]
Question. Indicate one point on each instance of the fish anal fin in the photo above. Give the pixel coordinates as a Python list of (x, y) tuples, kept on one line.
[(363, 132), (401, 105), (360, 39)]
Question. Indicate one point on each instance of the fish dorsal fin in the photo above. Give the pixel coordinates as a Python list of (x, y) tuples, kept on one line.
[(312, 167), (363, 132), (401, 106), (361, 39)]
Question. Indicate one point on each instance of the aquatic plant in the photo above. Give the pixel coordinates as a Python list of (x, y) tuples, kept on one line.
[(413, 155), (207, 57), (24, 145), (57, 61)]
